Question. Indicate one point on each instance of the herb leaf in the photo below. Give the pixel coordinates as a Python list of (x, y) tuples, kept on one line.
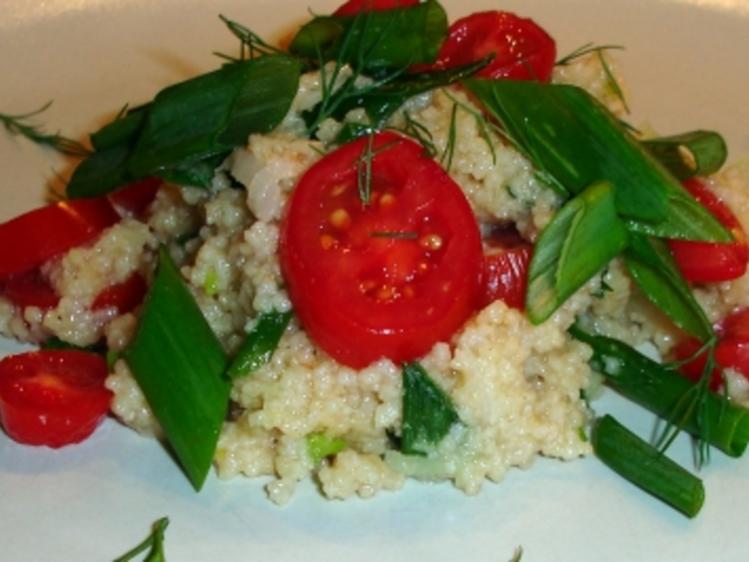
[(260, 343), (19, 125), (655, 272), (428, 413), (696, 153), (180, 371), (390, 39), (580, 240), (154, 542)]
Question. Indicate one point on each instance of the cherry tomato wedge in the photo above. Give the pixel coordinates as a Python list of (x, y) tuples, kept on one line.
[(505, 275), (39, 235), (353, 7), (522, 49), (52, 397), (29, 289), (705, 262), (123, 296), (693, 369), (135, 198), (388, 278)]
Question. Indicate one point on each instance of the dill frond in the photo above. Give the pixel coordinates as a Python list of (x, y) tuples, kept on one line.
[(19, 125)]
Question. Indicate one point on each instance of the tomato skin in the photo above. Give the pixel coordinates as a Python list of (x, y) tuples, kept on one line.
[(523, 50), (505, 275), (353, 7), (29, 289), (693, 370), (135, 198), (123, 297), (52, 397), (362, 296), (39, 235), (705, 262)]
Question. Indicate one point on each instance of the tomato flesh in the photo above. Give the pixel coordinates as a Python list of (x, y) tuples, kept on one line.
[(505, 276), (52, 397), (522, 49), (353, 7), (385, 279), (135, 198), (29, 289), (693, 369), (706, 262), (123, 297), (39, 235)]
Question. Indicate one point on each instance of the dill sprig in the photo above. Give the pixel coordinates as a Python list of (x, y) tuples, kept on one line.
[(20, 125), (483, 124), (364, 167), (611, 80), (419, 132), (586, 49), (452, 132), (251, 45)]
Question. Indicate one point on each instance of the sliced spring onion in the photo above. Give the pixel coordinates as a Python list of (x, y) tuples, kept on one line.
[(645, 466), (121, 130), (260, 343), (575, 141), (179, 364), (655, 272), (428, 412), (580, 240), (373, 41), (696, 153), (102, 172), (320, 446), (660, 389)]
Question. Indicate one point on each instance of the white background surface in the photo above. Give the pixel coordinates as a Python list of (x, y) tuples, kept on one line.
[(686, 68)]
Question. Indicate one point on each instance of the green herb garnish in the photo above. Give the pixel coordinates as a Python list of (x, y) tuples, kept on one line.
[(697, 153), (154, 543), (259, 344), (643, 465), (179, 364), (19, 125), (428, 412), (320, 446)]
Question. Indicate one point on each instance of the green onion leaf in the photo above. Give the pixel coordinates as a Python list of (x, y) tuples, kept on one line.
[(374, 41), (696, 153), (214, 113), (645, 466), (655, 272), (122, 130), (580, 240), (575, 141), (197, 174), (179, 364), (320, 446), (260, 343), (101, 173), (662, 390), (428, 412)]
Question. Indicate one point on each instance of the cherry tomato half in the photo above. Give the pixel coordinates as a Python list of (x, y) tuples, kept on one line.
[(135, 198), (39, 235), (353, 7), (693, 369), (522, 49), (388, 278), (52, 397), (123, 296), (705, 262), (506, 261), (29, 289)]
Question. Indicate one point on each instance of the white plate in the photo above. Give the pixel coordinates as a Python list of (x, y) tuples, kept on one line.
[(685, 63)]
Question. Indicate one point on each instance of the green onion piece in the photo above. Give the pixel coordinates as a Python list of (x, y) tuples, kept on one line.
[(154, 542), (101, 173), (575, 141), (196, 174), (179, 364), (260, 343), (214, 113), (580, 240), (120, 131), (662, 390), (643, 465), (394, 38), (320, 446), (696, 153), (428, 413), (655, 272)]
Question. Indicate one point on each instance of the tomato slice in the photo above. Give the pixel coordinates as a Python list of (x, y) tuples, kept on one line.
[(29, 288), (353, 7), (39, 235), (505, 273), (705, 262), (522, 49), (135, 198), (123, 296), (52, 397), (693, 369), (385, 279)]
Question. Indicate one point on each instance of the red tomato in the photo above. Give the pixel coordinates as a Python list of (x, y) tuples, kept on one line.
[(353, 7), (123, 296), (522, 49), (30, 289), (386, 279), (694, 369), (52, 397), (506, 276), (136, 197), (39, 235), (704, 262)]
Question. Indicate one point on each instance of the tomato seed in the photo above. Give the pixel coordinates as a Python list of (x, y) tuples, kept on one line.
[(340, 219), (431, 242)]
